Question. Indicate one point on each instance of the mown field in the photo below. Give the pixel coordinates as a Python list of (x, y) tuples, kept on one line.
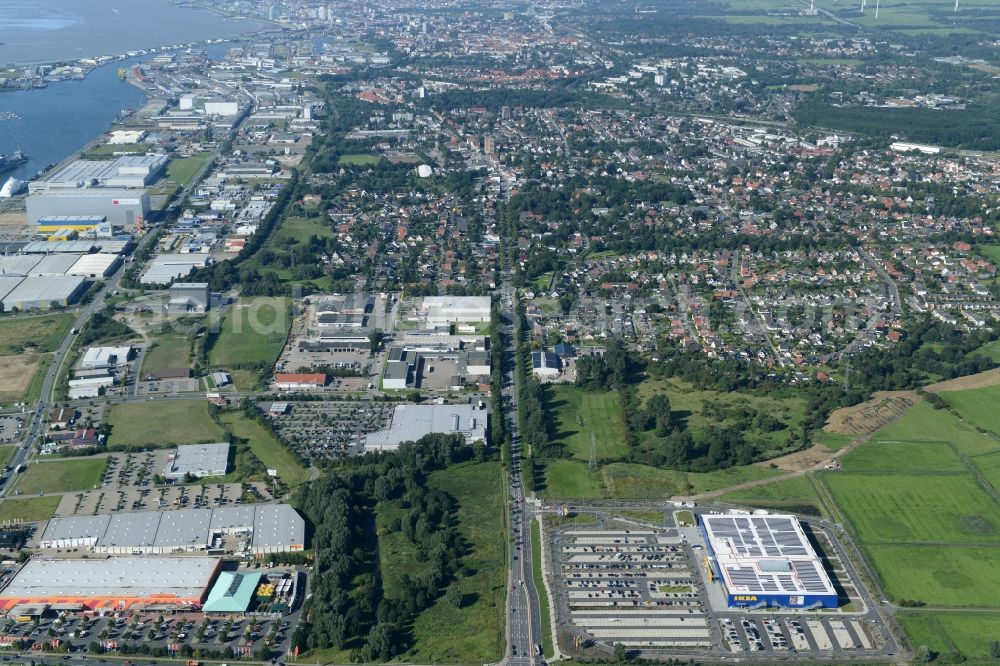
[(170, 351), (29, 509), (252, 332), (157, 423), (580, 414), (926, 521), (60, 476)]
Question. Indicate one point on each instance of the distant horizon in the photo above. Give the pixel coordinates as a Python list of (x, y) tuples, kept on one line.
[(68, 30)]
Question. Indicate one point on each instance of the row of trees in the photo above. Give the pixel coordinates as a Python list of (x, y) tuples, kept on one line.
[(348, 607)]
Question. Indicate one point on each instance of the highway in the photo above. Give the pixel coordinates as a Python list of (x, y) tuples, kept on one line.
[(523, 619)]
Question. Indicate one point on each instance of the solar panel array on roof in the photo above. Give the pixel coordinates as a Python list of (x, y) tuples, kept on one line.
[(765, 555)]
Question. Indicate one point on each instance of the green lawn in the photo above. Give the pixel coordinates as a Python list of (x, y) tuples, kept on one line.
[(923, 423), (474, 632), (30, 510), (299, 229), (945, 508), (796, 494), (962, 576), (169, 351), (977, 406), (577, 415), (989, 466), (6, 453), (252, 333), (630, 481), (359, 160), (182, 170), (271, 452), (832, 441), (903, 457), (969, 634), (570, 480), (59, 476), (162, 423), (42, 333)]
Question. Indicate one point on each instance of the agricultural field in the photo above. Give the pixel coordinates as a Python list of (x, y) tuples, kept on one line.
[(59, 476), (578, 415), (631, 481), (946, 634), (903, 458), (30, 510), (161, 423), (271, 453), (961, 576), (923, 423), (474, 632), (252, 333), (796, 494), (978, 407), (169, 351), (898, 508), (42, 334)]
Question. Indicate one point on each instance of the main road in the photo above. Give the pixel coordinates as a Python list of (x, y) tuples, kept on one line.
[(524, 624)]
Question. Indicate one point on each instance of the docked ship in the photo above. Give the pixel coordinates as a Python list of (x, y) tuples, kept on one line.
[(12, 187), (12, 161)]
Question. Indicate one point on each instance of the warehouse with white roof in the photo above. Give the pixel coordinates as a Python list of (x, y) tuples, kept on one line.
[(765, 561), (272, 528)]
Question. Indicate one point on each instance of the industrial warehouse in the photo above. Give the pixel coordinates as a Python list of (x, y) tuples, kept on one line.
[(112, 583), (254, 529), (765, 561)]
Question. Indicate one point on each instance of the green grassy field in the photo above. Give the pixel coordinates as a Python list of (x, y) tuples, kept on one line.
[(474, 632), (272, 453), (31, 509), (359, 160), (923, 423), (630, 481), (947, 633), (570, 480), (6, 453), (42, 333), (60, 476), (299, 229), (989, 466), (170, 351), (944, 508), (903, 457), (182, 170), (578, 415), (978, 407), (796, 494), (252, 332), (832, 441), (162, 423), (963, 576)]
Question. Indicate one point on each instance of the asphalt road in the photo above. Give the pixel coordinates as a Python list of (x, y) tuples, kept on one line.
[(524, 621)]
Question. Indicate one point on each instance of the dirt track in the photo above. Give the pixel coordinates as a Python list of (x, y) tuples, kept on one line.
[(980, 380)]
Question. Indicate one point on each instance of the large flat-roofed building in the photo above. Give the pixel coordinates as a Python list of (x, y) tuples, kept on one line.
[(443, 310), (165, 268), (411, 422), (270, 528), (115, 583), (130, 171), (765, 560), (189, 297), (121, 207), (232, 593), (99, 358), (198, 460), (42, 292)]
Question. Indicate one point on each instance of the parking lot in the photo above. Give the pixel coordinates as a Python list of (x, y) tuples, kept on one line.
[(330, 429), (140, 498), (644, 586), (10, 428)]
